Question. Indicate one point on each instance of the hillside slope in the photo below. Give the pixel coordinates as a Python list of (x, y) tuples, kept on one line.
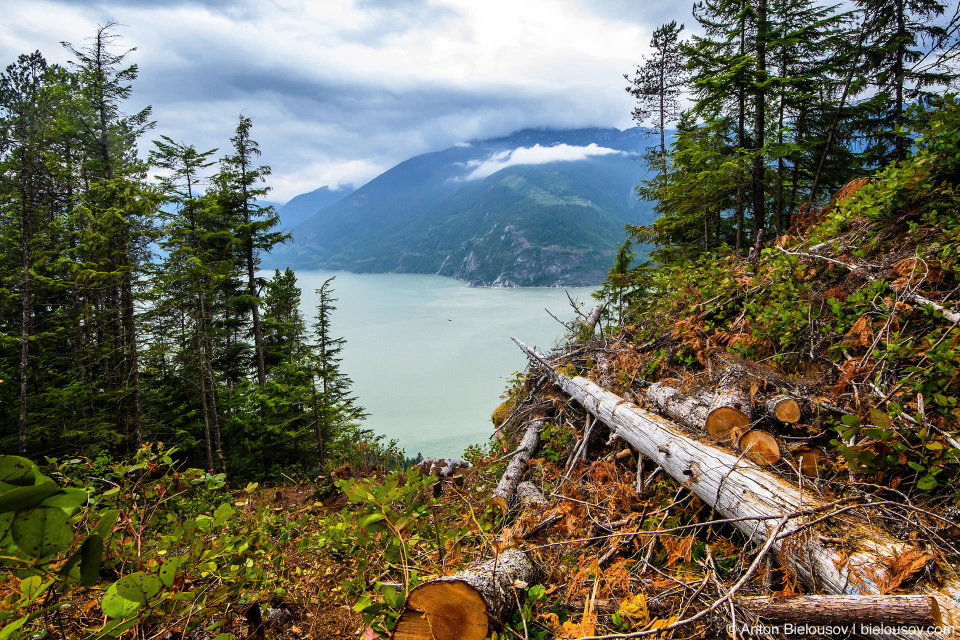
[(538, 208)]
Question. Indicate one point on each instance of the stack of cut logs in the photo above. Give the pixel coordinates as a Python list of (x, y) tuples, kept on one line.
[(725, 413), (772, 513)]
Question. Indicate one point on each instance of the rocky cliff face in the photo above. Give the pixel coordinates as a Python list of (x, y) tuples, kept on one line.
[(514, 261)]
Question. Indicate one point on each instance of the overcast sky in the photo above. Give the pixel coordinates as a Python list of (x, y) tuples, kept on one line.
[(341, 90)]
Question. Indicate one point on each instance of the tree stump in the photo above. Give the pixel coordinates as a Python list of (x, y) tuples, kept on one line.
[(460, 607)]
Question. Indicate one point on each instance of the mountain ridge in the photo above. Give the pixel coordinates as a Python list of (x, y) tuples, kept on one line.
[(539, 207)]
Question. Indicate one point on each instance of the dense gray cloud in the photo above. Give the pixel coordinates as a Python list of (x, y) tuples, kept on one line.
[(344, 89)]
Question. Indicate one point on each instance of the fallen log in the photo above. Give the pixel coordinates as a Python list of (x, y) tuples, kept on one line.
[(906, 611), (951, 316), (723, 412), (742, 491), (507, 487), (530, 496), (461, 606), (915, 611)]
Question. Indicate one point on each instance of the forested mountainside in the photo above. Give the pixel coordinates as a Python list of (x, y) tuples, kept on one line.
[(536, 208)]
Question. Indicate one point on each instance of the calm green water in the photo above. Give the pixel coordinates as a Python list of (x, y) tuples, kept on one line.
[(430, 357)]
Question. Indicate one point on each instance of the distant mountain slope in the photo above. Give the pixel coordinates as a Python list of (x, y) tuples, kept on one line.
[(537, 208), (305, 205)]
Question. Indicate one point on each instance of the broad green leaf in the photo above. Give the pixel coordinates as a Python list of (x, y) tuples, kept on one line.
[(13, 627), (226, 636), (91, 555), (222, 514), (42, 532), (371, 519), (105, 526), (168, 570), (203, 523), (362, 602), (138, 587), (69, 499), (6, 522), (26, 498), (19, 471), (926, 483), (30, 587), (115, 605)]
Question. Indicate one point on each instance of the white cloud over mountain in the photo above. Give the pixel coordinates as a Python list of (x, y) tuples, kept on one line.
[(536, 154)]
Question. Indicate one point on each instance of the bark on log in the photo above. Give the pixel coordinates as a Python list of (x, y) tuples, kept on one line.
[(507, 488), (918, 611), (740, 489), (530, 496), (724, 413), (461, 606), (784, 408), (593, 318)]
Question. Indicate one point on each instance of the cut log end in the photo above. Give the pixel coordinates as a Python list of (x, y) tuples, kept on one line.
[(500, 504), (785, 409), (760, 447), (810, 460), (726, 424), (443, 610)]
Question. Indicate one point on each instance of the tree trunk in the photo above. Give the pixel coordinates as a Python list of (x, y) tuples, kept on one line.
[(759, 124), (460, 607), (852, 611), (507, 488), (739, 489), (25, 318), (594, 317), (206, 358), (130, 327)]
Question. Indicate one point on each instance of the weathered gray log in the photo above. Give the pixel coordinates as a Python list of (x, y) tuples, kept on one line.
[(506, 489), (905, 611), (739, 489), (441, 467), (723, 412), (593, 318), (461, 606), (530, 496)]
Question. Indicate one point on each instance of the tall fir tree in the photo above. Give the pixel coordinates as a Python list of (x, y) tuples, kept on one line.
[(657, 84), (256, 222), (335, 409)]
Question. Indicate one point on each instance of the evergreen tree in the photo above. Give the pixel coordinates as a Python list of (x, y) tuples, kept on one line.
[(256, 222), (195, 264), (283, 327), (335, 409), (658, 84), (28, 193), (898, 31), (118, 205)]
